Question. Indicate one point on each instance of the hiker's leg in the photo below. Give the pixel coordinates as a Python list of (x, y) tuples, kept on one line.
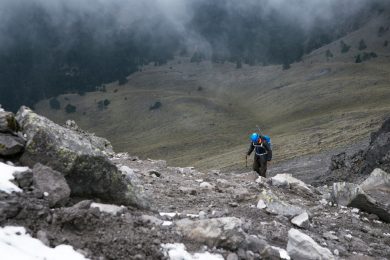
[(263, 166), (256, 164)]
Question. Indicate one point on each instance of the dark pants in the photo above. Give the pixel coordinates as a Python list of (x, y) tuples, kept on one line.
[(260, 165)]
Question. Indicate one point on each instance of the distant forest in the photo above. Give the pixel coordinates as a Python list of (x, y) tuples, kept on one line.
[(43, 61)]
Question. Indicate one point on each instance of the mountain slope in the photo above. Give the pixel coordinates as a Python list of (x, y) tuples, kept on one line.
[(209, 109)]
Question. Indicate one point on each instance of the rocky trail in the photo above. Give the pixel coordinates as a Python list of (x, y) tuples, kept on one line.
[(74, 190)]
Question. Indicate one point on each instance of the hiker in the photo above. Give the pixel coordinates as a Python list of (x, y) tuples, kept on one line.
[(263, 153)]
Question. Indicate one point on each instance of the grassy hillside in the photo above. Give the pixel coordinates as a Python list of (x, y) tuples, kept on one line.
[(208, 110)]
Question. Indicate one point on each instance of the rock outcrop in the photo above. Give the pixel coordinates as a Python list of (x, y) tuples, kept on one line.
[(81, 158), (371, 196), (363, 162), (10, 142)]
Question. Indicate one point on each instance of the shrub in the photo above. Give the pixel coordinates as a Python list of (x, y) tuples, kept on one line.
[(106, 102), (358, 59), (155, 106), (362, 45), (344, 47), (55, 104), (70, 108), (238, 64), (368, 56), (329, 54)]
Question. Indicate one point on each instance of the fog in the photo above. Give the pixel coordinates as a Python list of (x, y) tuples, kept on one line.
[(160, 15)]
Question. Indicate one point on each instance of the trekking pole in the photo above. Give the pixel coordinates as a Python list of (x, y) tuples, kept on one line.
[(258, 128)]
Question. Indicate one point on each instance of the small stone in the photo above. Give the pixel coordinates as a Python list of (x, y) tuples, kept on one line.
[(301, 220), (355, 210), (202, 215), (42, 236), (348, 237), (336, 252), (206, 185), (261, 204), (232, 256), (233, 204)]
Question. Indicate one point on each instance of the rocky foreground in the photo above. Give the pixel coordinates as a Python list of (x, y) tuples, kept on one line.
[(67, 192)]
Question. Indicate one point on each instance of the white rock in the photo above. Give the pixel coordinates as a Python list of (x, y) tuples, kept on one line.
[(301, 220), (301, 246), (336, 252), (348, 237), (126, 170), (169, 215), (286, 180), (261, 204), (206, 185), (178, 252), (45, 194), (202, 215), (192, 215), (108, 208), (167, 223), (282, 253), (355, 210), (261, 180), (324, 202)]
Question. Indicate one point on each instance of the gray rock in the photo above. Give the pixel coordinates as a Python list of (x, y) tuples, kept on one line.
[(219, 232), (24, 179), (371, 196), (274, 253), (301, 220), (51, 183), (8, 123), (279, 207), (206, 185), (9, 209), (81, 157), (287, 181), (301, 246), (42, 236), (108, 208), (152, 220), (232, 256), (255, 244), (11, 145), (330, 236)]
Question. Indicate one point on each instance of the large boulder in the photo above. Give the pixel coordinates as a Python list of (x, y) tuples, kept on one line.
[(301, 246), (219, 232), (372, 195), (52, 184), (80, 157)]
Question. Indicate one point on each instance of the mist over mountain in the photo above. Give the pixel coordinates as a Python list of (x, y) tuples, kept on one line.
[(52, 47)]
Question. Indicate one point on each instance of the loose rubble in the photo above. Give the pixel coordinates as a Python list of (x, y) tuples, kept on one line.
[(172, 212)]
